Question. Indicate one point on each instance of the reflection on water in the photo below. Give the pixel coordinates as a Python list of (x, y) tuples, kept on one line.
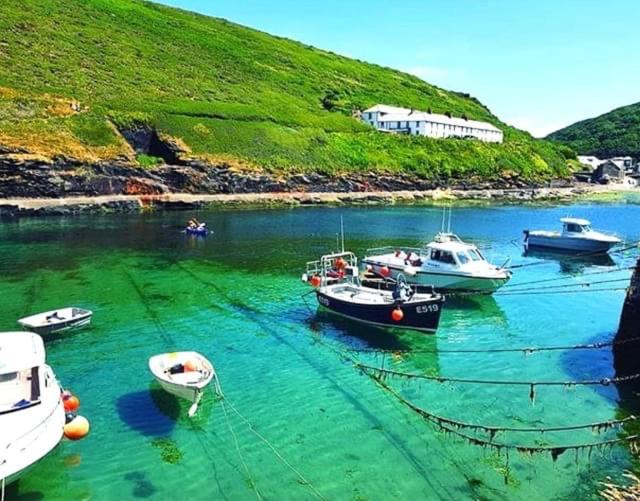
[(570, 263)]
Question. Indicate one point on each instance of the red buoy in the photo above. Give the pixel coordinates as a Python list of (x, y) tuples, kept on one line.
[(71, 403), (77, 429), (397, 314), (385, 271), (316, 281)]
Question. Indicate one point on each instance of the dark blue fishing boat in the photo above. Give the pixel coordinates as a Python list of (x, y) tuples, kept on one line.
[(339, 290)]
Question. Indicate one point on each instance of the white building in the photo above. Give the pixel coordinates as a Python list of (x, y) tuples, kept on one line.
[(625, 163), (590, 161), (407, 121)]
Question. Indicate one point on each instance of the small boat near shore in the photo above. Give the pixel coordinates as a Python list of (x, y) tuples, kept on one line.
[(184, 374), (32, 415), (447, 264), (576, 236), (54, 321), (339, 290)]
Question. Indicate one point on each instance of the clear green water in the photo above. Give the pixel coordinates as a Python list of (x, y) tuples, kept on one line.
[(236, 298)]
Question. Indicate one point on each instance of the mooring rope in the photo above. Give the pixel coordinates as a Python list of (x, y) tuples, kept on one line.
[(439, 421), (493, 430), (579, 255), (526, 350), (237, 445), (443, 379), (570, 277)]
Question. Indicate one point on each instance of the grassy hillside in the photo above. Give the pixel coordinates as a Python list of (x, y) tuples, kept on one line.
[(72, 72), (612, 134)]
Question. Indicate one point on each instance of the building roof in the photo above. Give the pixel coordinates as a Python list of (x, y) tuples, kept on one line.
[(19, 351), (575, 220), (397, 114)]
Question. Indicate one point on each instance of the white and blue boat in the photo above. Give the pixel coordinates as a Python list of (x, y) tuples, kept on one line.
[(576, 236), (339, 290)]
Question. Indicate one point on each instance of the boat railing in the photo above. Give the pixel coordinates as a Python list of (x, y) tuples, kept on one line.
[(377, 251), (328, 263)]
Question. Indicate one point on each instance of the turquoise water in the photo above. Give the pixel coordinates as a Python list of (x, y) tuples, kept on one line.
[(236, 297)]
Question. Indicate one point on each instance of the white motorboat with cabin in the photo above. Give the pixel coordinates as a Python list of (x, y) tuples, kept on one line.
[(446, 264), (184, 374), (32, 415), (54, 321), (576, 236), (339, 290)]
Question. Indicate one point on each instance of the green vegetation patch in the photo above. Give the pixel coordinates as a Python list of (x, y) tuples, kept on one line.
[(228, 92)]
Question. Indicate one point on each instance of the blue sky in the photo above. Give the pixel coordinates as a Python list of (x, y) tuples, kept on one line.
[(539, 65)]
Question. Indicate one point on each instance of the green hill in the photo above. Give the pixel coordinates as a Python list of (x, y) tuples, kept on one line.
[(616, 133), (74, 73)]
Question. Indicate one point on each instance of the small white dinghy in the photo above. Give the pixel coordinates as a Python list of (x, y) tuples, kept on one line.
[(60, 320), (184, 374)]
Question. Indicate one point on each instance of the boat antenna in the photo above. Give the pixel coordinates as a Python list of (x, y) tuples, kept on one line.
[(342, 232), (444, 211), (449, 225)]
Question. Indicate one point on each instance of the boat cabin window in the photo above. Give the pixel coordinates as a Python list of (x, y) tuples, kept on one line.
[(574, 228), (19, 389), (442, 256), (463, 258), (475, 255)]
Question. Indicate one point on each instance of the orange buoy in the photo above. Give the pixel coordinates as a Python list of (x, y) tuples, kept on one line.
[(397, 314), (70, 403), (385, 271), (191, 366), (316, 281), (77, 429)]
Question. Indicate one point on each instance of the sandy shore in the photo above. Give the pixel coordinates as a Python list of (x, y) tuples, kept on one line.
[(129, 203)]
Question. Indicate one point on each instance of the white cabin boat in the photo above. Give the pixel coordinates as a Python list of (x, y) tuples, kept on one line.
[(446, 264), (576, 236), (54, 321), (32, 415), (184, 374)]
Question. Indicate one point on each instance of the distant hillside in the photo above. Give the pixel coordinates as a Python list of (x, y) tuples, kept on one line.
[(613, 134), (75, 74)]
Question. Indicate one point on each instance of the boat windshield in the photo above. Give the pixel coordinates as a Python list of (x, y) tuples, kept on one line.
[(577, 228), (475, 255), (19, 390), (463, 257)]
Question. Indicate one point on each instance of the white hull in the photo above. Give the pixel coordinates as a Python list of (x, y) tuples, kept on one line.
[(569, 243), (186, 384), (57, 320), (28, 435), (447, 281), (190, 394)]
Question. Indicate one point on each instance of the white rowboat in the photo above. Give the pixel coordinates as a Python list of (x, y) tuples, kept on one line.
[(54, 321), (184, 374)]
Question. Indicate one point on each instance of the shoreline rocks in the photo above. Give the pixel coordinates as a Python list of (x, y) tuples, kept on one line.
[(31, 185)]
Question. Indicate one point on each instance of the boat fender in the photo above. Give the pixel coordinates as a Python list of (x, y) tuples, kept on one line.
[(316, 281), (77, 429), (385, 271), (397, 314), (71, 403)]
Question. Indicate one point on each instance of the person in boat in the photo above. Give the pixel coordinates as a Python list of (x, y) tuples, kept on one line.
[(402, 292)]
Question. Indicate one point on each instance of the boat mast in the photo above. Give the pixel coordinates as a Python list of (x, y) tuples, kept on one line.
[(342, 231)]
